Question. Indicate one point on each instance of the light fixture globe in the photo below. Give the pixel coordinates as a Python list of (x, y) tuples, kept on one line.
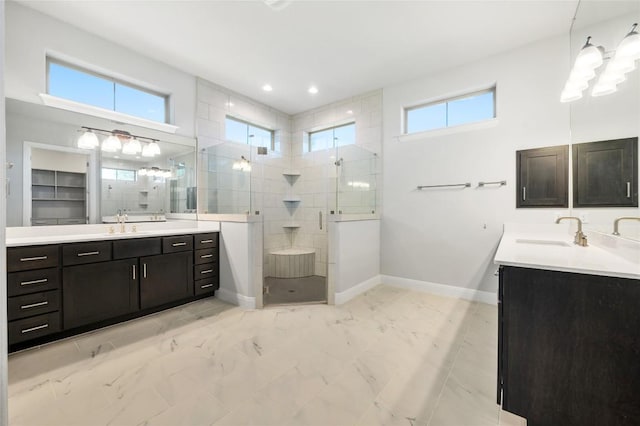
[(146, 151), (629, 47), (570, 95), (155, 148), (88, 140), (603, 88), (590, 57), (621, 64), (585, 74), (111, 144)]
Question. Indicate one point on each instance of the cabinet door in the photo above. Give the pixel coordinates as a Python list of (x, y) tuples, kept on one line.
[(605, 173), (99, 291), (166, 278), (542, 177), (571, 347)]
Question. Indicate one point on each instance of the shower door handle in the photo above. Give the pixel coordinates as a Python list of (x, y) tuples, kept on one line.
[(320, 219)]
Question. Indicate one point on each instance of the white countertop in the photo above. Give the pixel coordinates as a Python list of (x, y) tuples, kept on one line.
[(541, 246), (40, 235)]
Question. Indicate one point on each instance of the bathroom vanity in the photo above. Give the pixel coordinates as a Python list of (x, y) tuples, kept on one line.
[(568, 341), (68, 283)]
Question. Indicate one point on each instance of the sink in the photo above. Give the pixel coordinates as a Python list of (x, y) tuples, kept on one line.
[(126, 234), (555, 243)]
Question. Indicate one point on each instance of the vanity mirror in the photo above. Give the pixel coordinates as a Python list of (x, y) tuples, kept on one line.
[(605, 117), (51, 181)]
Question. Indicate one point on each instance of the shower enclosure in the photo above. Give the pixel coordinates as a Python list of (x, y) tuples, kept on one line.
[(294, 193)]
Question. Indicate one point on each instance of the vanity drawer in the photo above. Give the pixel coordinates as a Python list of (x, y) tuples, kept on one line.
[(32, 281), (208, 285), (206, 240), (33, 327), (91, 252), (205, 271), (136, 247), (32, 257), (206, 256), (177, 243), (32, 304)]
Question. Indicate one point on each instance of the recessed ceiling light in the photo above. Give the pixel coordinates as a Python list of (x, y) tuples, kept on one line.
[(313, 90), (267, 88), (229, 104), (349, 112)]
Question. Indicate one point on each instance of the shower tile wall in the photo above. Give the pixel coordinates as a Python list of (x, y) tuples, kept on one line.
[(317, 183), (268, 186), (316, 186), (142, 196)]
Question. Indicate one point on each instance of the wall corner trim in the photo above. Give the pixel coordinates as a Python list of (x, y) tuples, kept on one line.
[(488, 297), (245, 302), (345, 296)]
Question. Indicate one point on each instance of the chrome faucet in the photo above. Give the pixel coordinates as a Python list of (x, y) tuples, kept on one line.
[(617, 221), (580, 239)]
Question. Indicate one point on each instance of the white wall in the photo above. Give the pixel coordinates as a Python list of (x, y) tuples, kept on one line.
[(354, 258), (240, 263), (30, 36), (450, 236), (4, 418)]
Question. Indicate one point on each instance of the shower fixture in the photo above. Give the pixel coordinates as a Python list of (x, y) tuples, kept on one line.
[(339, 162)]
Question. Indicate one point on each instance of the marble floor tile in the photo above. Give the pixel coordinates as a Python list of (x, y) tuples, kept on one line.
[(388, 357)]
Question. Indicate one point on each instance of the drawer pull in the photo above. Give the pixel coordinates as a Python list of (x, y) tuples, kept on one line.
[(134, 272), (144, 270), (34, 305), (206, 241), (179, 244), (89, 253), (206, 286), (28, 259), (39, 327), (40, 281), (207, 271), (204, 256)]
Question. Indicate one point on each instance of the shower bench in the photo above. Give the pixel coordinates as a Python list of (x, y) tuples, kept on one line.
[(293, 262)]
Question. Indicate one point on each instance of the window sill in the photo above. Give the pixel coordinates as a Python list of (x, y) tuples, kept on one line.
[(448, 130), (56, 102)]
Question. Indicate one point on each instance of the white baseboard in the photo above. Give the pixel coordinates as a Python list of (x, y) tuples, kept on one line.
[(345, 296), (441, 289), (240, 300)]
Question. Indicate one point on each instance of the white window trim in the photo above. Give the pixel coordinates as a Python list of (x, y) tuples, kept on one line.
[(108, 114), (460, 94), (444, 131), (306, 134)]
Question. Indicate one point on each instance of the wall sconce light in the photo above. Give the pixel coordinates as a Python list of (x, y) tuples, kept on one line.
[(621, 62), (242, 165), (154, 172), (118, 140)]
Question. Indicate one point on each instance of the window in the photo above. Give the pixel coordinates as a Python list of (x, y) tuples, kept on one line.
[(332, 137), (73, 83), (243, 132), (468, 108), (119, 174)]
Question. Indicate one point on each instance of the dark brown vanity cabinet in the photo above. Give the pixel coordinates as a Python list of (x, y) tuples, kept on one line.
[(167, 277), (206, 263), (62, 289), (605, 173), (98, 291), (568, 347), (542, 177), (33, 290)]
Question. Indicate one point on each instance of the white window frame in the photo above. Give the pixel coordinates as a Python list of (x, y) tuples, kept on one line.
[(272, 132), (67, 64), (307, 135), (446, 100)]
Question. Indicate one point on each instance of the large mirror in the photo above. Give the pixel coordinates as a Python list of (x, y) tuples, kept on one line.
[(51, 181), (612, 116)]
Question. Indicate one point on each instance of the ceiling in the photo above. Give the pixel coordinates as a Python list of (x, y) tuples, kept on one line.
[(345, 48)]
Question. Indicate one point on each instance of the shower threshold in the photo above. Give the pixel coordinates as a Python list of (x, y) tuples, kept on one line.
[(288, 291)]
